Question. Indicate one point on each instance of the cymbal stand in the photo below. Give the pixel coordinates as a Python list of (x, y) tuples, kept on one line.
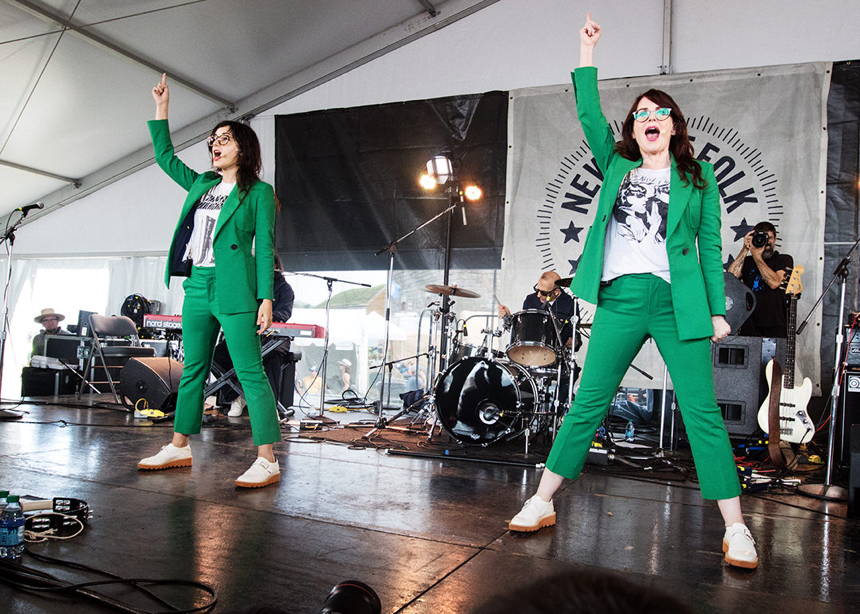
[(329, 281)]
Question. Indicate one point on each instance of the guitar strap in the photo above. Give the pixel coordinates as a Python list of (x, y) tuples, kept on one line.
[(773, 422)]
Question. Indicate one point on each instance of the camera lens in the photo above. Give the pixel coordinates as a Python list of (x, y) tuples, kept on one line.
[(760, 239), (352, 597)]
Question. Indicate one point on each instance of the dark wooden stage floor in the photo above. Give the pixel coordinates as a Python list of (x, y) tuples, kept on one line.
[(427, 535)]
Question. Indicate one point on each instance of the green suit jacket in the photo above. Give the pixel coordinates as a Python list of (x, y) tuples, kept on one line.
[(693, 238), (243, 237)]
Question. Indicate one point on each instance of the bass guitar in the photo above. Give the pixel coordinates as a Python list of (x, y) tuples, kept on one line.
[(794, 423)]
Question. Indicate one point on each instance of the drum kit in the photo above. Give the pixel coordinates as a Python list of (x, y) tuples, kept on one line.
[(483, 395)]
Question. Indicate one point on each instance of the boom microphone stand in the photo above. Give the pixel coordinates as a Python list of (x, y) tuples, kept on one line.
[(9, 240), (329, 281), (828, 490), (391, 248)]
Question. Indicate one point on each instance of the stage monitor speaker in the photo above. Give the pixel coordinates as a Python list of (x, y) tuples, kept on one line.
[(154, 379), (739, 380)]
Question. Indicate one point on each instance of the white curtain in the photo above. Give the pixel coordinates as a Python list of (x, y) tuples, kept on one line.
[(69, 285)]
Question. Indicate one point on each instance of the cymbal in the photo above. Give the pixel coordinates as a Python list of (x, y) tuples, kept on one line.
[(451, 291), (564, 282)]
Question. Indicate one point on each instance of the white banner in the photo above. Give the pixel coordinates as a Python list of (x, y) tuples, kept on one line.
[(763, 129)]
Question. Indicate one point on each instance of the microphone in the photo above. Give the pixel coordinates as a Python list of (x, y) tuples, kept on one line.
[(25, 210), (465, 331)]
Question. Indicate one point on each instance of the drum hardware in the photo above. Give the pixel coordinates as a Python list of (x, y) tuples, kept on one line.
[(382, 422)]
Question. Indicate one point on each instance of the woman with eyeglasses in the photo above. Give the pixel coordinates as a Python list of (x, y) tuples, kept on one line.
[(652, 263), (223, 244)]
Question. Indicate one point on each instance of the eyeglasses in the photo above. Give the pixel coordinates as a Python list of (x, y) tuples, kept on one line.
[(643, 115), (50, 319), (542, 293), (221, 139)]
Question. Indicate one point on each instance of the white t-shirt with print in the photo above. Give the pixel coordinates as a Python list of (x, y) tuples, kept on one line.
[(636, 234), (205, 218)]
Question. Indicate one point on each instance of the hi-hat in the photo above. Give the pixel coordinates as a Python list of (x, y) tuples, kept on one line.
[(564, 282), (451, 291)]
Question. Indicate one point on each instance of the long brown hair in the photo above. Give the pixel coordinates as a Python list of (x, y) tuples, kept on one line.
[(250, 158), (679, 145)]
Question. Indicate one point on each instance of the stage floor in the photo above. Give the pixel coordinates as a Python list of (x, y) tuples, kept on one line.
[(428, 535)]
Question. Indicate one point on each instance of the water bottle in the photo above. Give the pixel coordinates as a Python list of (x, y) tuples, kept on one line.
[(12, 530), (629, 432)]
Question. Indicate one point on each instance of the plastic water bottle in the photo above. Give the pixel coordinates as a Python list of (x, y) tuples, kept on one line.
[(629, 431), (12, 530), (3, 495)]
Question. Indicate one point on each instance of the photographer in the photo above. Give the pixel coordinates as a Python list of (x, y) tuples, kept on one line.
[(764, 271)]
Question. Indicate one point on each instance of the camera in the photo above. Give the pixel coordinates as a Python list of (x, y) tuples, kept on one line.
[(352, 597), (760, 239)]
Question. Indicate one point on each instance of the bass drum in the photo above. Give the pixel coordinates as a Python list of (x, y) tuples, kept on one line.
[(480, 400)]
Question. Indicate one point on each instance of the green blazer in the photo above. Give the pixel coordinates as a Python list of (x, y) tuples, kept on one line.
[(693, 239), (246, 220)]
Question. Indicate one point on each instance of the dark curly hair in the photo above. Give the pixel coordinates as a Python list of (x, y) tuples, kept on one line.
[(250, 158), (679, 145)]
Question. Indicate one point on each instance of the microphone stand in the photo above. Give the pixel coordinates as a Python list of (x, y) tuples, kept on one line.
[(9, 240), (828, 490), (329, 281), (391, 248)]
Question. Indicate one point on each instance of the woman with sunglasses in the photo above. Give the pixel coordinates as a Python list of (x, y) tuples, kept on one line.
[(223, 244), (652, 263)]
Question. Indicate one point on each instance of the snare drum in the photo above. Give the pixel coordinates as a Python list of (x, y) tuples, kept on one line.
[(533, 342)]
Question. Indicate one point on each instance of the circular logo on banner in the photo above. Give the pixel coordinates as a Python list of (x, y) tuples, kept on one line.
[(747, 190)]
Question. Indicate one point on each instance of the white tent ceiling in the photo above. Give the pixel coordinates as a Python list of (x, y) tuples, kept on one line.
[(72, 72)]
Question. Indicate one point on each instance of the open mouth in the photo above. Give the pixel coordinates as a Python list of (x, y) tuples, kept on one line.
[(652, 133), (216, 155)]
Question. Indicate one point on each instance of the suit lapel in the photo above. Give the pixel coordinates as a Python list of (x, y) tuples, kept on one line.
[(622, 167), (679, 197)]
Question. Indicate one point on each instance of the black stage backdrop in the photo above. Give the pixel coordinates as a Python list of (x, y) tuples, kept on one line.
[(347, 180), (842, 211)]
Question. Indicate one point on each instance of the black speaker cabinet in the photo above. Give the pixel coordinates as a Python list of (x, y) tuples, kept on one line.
[(854, 478), (153, 379), (739, 379), (850, 410)]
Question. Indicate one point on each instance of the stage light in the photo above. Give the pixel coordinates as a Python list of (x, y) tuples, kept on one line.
[(472, 192), (439, 171), (427, 181)]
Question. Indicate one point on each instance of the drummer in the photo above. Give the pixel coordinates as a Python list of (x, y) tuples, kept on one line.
[(548, 296)]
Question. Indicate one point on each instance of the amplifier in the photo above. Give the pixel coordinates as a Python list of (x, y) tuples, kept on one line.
[(852, 338)]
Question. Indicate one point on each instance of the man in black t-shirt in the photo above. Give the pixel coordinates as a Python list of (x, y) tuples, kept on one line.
[(765, 272)]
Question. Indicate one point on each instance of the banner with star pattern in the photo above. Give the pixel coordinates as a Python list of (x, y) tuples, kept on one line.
[(764, 130)]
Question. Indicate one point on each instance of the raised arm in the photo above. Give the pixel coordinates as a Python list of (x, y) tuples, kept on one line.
[(588, 37), (597, 131), (163, 146)]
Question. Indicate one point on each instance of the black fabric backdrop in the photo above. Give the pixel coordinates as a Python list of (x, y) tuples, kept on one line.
[(347, 180), (842, 219)]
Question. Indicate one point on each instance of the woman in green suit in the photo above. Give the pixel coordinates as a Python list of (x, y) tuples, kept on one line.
[(652, 263), (223, 244)]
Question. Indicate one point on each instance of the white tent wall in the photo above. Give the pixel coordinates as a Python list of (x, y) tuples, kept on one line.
[(509, 44)]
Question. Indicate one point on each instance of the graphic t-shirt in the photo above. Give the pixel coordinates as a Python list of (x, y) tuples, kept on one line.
[(636, 234), (205, 219)]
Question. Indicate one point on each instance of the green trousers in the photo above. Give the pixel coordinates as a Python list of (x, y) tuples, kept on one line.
[(629, 311), (201, 322)]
